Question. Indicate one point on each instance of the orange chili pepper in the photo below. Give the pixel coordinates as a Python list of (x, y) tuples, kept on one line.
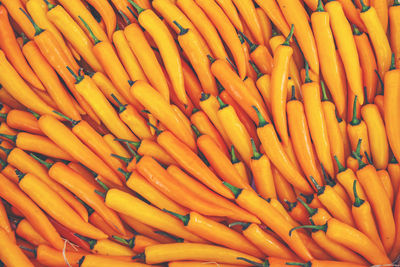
[(50, 80), (16, 86), (381, 207), (141, 211), (274, 13), (210, 196), (11, 254), (327, 55), (5, 223), (204, 26), (377, 34), (25, 230), (10, 47), (227, 32), (22, 120), (235, 130), (107, 15), (77, 9), (332, 125), (275, 152), (295, 15), (147, 59), (38, 144), (387, 184), (237, 89), (201, 121), (347, 48), (316, 122), (301, 139), (394, 173), (13, 195), (391, 100), (231, 12), (167, 47), (67, 140), (352, 13), (75, 35), (219, 161), (271, 217), (396, 247), (46, 198), (394, 33), (382, 11)]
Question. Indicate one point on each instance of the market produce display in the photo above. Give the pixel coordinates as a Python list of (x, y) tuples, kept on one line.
[(192, 133)]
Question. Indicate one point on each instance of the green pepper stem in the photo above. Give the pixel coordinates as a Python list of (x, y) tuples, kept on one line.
[(256, 69), (204, 96), (324, 95), (95, 39), (244, 225), (31, 250), (340, 166), (368, 158), (195, 130), (3, 116), (158, 131), (12, 138), (289, 37), (313, 227), (182, 30), (380, 80), (256, 264), (393, 62), (176, 239), (256, 155), (307, 68), (222, 105), (293, 97), (20, 174), (72, 121), (121, 107), (126, 174), (50, 6), (357, 200), (311, 211), (126, 160), (261, 121), (184, 218), (103, 185), (133, 14), (320, 7), (127, 21), (78, 79), (364, 8), (320, 189), (235, 190), (211, 59), (140, 256), (136, 6), (356, 30), (234, 159), (355, 121), (46, 164), (307, 264), (135, 144), (38, 30), (252, 45), (329, 181)]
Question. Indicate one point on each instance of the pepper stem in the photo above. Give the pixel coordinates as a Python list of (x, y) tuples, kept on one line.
[(31, 250), (256, 264), (355, 121), (126, 160), (103, 185), (329, 181), (133, 14), (121, 107), (182, 30), (357, 156), (320, 7), (393, 62), (50, 6), (204, 96), (136, 6), (212, 60), (393, 160), (324, 95), (252, 45), (38, 30), (310, 210), (261, 121), (184, 218), (368, 158), (339, 165), (135, 144), (356, 30), (244, 225), (91, 242), (396, 3), (320, 189), (195, 130), (3, 116), (234, 159), (46, 164), (357, 200), (126, 174), (72, 121), (289, 37), (140, 256), (127, 21), (95, 39), (380, 80), (158, 131), (78, 78), (308, 264), (256, 155), (12, 138), (176, 239), (222, 105), (293, 93), (25, 39), (307, 68), (364, 8), (6, 150), (255, 68), (236, 191), (20, 174), (313, 227)]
